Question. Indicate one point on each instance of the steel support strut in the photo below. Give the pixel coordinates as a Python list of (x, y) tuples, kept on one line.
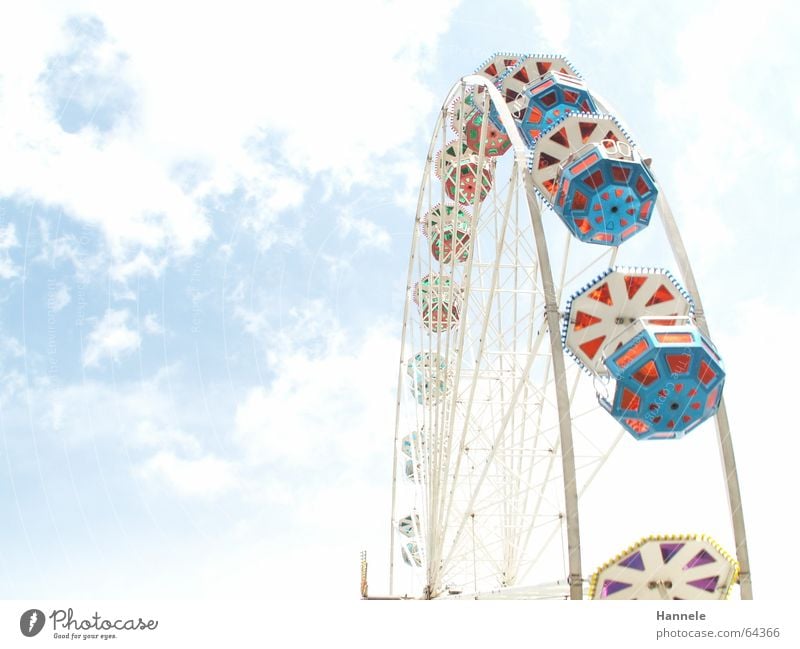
[(721, 419), (575, 579)]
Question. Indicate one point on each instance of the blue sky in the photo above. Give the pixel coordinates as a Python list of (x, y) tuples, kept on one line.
[(205, 217)]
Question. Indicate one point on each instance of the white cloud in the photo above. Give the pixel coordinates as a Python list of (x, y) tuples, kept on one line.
[(8, 240), (58, 296), (276, 98), (151, 325), (717, 121), (204, 476), (336, 405), (553, 26), (111, 338), (368, 233)]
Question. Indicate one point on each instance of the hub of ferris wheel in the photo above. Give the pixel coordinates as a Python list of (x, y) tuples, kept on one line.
[(631, 329)]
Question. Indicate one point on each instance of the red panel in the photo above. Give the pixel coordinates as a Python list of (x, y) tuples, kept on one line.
[(522, 75), (662, 294), (543, 66), (560, 137), (642, 187), (633, 284), (549, 99), (590, 347), (712, 398), (595, 179), (546, 160), (491, 70), (583, 225), (620, 174), (571, 96), (705, 373), (603, 236), (587, 128), (583, 320), (630, 400), (679, 364), (646, 374), (602, 294), (579, 201)]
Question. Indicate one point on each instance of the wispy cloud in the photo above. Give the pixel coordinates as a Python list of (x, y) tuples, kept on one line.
[(111, 338)]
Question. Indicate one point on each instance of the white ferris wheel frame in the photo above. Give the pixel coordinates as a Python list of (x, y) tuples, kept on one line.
[(575, 578)]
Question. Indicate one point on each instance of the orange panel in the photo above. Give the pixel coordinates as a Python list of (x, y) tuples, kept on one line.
[(583, 225), (633, 284), (679, 364), (601, 294), (682, 337), (637, 426), (662, 294), (633, 353), (583, 320), (584, 164), (590, 347)]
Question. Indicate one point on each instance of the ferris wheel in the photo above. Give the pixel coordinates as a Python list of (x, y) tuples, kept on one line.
[(537, 338)]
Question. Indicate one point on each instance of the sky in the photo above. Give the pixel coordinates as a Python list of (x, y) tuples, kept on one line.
[(206, 211)]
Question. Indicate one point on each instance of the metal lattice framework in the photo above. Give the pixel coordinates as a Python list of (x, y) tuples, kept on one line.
[(498, 431)]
